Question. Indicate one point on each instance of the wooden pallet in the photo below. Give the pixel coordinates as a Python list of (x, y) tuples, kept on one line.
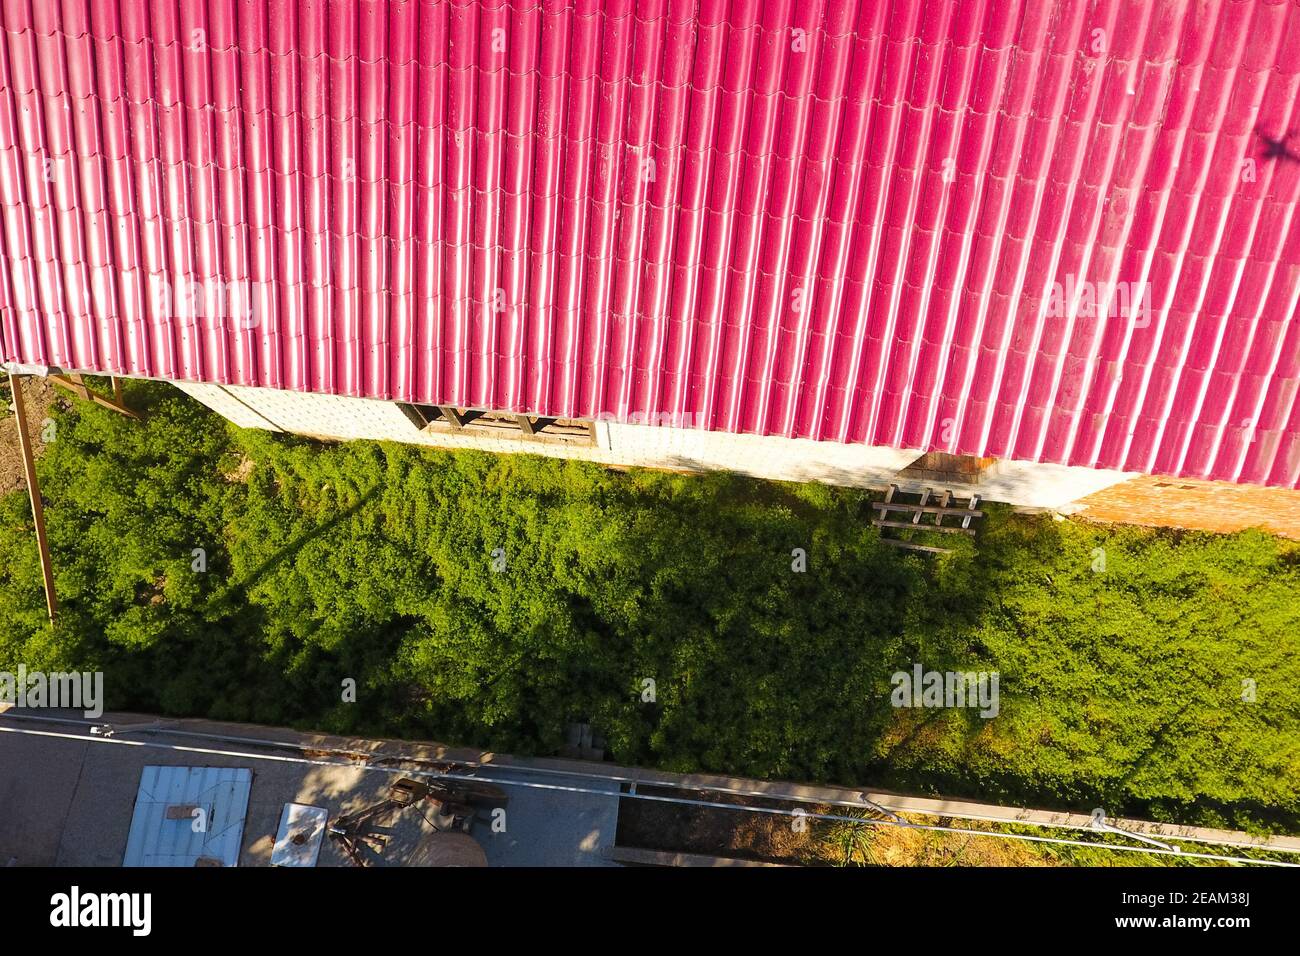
[(948, 506)]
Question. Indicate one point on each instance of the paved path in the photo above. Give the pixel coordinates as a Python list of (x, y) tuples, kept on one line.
[(547, 827)]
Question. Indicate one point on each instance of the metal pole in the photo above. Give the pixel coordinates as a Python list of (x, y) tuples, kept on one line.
[(34, 493)]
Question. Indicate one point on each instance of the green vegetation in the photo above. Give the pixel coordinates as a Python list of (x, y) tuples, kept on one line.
[(370, 561), (850, 844)]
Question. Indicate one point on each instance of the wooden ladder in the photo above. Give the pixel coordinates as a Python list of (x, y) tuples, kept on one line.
[(949, 505)]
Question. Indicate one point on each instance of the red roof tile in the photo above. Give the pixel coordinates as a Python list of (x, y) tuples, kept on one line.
[(1047, 230)]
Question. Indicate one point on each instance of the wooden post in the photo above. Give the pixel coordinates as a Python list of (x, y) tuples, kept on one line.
[(34, 493), (458, 419), (532, 427), (74, 383), (452, 416)]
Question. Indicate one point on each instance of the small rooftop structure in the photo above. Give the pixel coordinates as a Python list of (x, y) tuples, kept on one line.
[(189, 816)]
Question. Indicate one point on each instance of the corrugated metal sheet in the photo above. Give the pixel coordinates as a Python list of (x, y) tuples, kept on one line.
[(222, 794), (836, 219)]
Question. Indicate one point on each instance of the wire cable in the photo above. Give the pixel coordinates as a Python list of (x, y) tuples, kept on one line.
[(653, 797), (368, 758)]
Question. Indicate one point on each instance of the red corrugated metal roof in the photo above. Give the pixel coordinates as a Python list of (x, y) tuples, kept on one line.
[(837, 219)]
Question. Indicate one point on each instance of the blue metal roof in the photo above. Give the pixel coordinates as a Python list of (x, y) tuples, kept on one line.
[(221, 793)]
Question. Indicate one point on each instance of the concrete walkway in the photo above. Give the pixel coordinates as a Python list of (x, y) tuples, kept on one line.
[(554, 827)]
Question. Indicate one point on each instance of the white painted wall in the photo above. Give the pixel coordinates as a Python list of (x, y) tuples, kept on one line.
[(225, 404), (651, 446)]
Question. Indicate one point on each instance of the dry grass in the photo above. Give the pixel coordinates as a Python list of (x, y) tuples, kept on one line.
[(848, 845), (41, 397), (240, 471)]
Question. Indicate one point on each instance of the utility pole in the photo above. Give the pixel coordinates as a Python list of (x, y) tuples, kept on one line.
[(34, 493)]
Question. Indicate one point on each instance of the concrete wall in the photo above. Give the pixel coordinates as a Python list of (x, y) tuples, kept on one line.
[(652, 446)]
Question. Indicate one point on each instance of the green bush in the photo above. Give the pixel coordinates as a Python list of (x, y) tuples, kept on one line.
[(375, 562)]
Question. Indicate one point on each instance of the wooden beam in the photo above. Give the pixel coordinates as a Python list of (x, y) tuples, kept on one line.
[(456, 418), (34, 493), (896, 543), (944, 529), (452, 416), (943, 503), (415, 415), (532, 426), (925, 496), (74, 384), (971, 512)]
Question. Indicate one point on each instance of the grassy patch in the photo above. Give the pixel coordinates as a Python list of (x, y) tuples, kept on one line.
[(1119, 688)]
